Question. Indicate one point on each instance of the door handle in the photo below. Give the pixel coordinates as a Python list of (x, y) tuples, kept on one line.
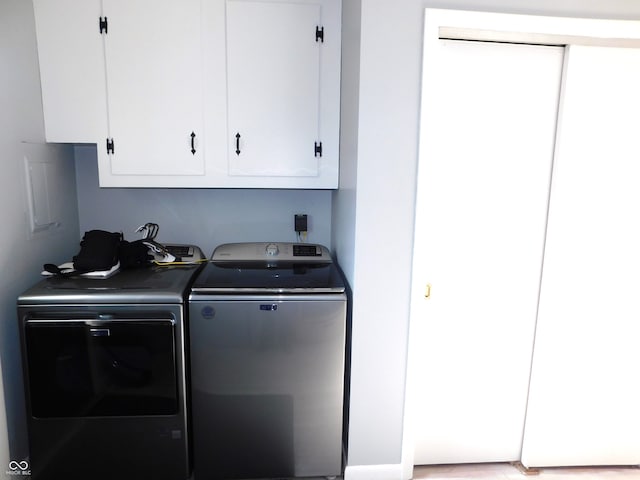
[(100, 332), (427, 292)]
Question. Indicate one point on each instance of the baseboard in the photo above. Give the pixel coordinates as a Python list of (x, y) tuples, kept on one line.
[(373, 472)]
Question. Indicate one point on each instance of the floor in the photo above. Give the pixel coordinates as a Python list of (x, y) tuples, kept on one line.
[(506, 471)]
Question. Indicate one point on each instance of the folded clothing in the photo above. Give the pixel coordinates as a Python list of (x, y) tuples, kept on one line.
[(67, 269)]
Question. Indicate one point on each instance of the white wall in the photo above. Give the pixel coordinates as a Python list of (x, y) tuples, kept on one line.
[(205, 217), (344, 212), (380, 102), (21, 254)]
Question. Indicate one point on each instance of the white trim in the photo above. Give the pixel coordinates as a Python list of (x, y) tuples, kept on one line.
[(534, 38), (458, 24), (374, 472)]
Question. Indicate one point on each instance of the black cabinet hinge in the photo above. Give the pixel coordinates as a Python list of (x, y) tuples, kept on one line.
[(319, 34), (317, 149), (110, 145), (103, 24)]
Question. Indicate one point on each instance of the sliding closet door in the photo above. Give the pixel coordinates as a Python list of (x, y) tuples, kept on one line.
[(584, 403), (488, 129)]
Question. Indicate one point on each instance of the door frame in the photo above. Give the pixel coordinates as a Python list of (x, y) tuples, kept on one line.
[(497, 27)]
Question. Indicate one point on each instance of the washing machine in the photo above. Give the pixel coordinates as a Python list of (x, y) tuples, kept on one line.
[(268, 342)]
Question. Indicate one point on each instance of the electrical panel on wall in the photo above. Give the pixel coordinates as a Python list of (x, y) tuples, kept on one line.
[(44, 174)]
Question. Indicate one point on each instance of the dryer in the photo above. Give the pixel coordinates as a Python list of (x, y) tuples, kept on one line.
[(105, 375)]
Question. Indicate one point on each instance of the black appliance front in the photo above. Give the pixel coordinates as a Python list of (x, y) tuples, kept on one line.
[(105, 392)]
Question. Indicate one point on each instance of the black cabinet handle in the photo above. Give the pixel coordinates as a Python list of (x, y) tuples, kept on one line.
[(237, 143), (193, 142)]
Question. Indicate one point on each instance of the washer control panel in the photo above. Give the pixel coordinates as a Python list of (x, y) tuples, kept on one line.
[(271, 251)]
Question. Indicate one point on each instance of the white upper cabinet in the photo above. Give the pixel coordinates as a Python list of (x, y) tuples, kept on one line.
[(273, 71), (283, 93), (153, 57), (163, 87), (71, 70)]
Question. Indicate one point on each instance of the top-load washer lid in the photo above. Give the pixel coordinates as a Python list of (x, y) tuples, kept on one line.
[(269, 268)]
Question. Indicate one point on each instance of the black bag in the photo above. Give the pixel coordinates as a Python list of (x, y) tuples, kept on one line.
[(98, 251), (134, 254)]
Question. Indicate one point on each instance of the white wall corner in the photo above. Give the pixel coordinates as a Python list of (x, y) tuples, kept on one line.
[(375, 472)]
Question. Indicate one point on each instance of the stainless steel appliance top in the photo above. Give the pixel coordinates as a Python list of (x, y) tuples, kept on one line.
[(145, 285), (274, 267)]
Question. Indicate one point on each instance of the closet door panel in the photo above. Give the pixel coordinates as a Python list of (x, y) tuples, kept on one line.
[(488, 129), (584, 395)]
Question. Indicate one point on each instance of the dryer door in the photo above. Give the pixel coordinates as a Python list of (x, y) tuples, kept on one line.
[(93, 368)]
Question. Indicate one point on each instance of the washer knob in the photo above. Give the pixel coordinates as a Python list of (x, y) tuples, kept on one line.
[(272, 249)]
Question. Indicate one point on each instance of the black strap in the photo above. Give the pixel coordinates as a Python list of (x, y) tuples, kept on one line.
[(56, 270)]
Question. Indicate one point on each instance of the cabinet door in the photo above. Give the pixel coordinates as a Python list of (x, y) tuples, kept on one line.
[(153, 54), (274, 89), (488, 128), (71, 70), (584, 396)]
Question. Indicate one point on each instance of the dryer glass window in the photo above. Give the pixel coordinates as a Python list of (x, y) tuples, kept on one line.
[(84, 369)]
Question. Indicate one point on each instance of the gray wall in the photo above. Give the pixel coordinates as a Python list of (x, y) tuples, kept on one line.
[(369, 221), (205, 217), (21, 253), (379, 131)]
